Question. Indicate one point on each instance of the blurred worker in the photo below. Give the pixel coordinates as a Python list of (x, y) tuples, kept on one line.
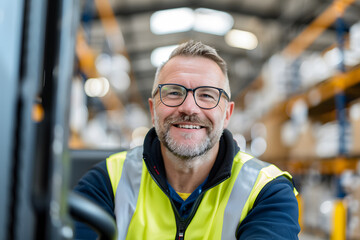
[(190, 180)]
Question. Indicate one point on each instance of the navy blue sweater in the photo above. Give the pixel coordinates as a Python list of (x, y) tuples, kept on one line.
[(274, 214)]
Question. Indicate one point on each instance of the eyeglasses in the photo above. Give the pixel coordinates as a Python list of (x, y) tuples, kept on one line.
[(206, 97)]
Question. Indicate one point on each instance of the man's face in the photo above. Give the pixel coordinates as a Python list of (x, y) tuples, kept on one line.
[(187, 130)]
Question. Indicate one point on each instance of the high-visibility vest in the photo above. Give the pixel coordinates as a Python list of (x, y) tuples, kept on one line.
[(144, 211)]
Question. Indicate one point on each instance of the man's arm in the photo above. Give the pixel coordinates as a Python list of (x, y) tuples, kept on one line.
[(274, 215), (95, 185)]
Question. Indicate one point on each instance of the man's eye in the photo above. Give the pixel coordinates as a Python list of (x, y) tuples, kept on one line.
[(174, 93), (207, 96)]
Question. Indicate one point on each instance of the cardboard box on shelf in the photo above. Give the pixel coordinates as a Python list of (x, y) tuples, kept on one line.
[(276, 150), (304, 148), (354, 119)]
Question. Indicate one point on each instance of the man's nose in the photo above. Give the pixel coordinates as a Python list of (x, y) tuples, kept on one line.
[(189, 105)]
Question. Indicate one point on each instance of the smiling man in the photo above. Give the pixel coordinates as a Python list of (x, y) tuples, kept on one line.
[(190, 180)]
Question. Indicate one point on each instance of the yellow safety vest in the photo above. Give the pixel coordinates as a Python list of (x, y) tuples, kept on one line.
[(143, 210)]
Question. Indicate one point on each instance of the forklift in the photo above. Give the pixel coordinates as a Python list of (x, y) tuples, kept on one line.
[(37, 56)]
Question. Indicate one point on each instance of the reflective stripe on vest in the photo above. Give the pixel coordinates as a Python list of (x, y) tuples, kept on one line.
[(239, 195), (126, 185), (251, 175)]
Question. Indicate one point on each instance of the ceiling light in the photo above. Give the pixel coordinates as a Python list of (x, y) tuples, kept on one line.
[(185, 19), (241, 39), (96, 87), (212, 21), (161, 54), (172, 20)]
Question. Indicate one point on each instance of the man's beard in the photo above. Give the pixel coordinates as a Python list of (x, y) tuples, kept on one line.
[(190, 149)]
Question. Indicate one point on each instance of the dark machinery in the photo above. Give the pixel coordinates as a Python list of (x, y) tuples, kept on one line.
[(36, 69)]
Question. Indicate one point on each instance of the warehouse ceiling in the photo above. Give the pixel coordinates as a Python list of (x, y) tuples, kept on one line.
[(274, 22)]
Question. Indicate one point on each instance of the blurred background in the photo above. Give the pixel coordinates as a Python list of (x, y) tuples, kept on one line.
[(294, 75), (294, 70)]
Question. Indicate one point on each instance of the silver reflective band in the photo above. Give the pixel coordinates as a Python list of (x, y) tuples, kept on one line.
[(243, 186), (127, 191)]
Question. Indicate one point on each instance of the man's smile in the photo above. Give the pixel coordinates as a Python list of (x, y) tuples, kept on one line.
[(187, 126)]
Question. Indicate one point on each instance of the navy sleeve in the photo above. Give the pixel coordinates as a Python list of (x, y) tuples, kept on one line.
[(96, 186), (274, 215)]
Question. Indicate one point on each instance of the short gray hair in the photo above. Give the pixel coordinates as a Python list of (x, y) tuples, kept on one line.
[(193, 48)]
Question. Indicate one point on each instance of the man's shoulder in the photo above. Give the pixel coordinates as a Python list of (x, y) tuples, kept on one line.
[(280, 187), (274, 214)]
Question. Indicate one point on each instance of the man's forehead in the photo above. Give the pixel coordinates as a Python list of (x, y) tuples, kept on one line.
[(189, 58), (190, 64)]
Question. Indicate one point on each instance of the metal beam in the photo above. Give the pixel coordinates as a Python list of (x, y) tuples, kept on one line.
[(11, 25)]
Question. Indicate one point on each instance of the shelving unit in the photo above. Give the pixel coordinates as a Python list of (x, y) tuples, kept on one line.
[(301, 156), (320, 101), (324, 110), (348, 82)]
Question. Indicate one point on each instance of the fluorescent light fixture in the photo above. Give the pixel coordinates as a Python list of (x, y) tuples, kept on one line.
[(241, 39), (212, 21), (161, 54), (172, 20), (185, 19)]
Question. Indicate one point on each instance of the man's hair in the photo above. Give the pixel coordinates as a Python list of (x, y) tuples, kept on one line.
[(193, 48)]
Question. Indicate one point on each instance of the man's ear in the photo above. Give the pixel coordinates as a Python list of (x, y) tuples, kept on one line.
[(151, 106), (229, 112)]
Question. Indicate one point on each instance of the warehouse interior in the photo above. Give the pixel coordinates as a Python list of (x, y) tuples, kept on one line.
[(294, 70)]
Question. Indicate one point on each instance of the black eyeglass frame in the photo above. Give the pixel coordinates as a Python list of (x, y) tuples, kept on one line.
[(221, 91)]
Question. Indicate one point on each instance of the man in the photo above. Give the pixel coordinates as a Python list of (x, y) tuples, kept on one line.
[(190, 180)]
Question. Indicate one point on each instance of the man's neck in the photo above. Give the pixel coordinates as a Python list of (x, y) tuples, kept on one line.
[(185, 175)]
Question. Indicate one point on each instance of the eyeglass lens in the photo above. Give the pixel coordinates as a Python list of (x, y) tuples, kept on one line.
[(174, 95)]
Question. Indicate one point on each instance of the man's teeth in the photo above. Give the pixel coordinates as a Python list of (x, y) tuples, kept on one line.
[(189, 126)]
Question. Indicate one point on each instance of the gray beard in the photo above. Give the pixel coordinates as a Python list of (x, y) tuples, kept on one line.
[(185, 151)]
